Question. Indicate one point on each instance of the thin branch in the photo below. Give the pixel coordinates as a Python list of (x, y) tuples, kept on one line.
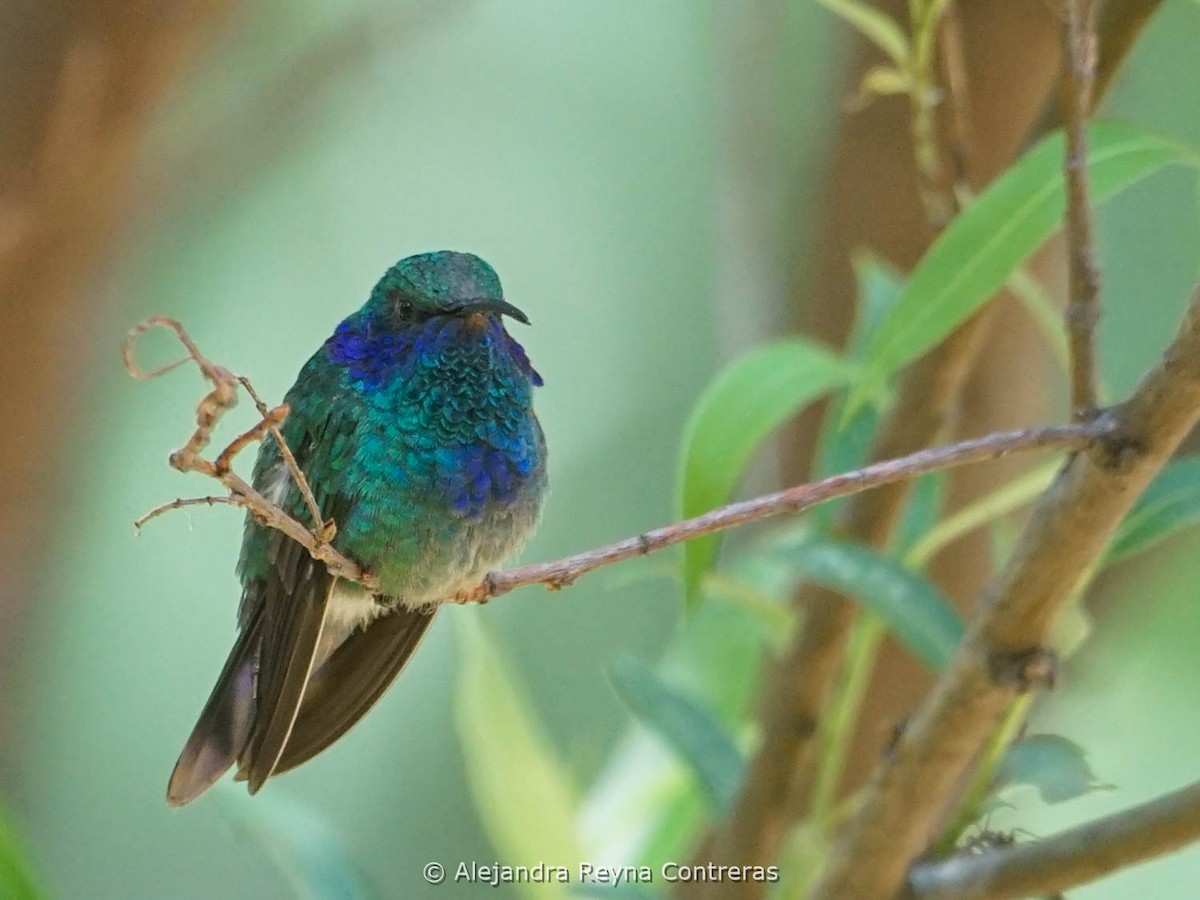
[(182, 502), (328, 529), (1083, 308), (562, 572), (1005, 651), (1074, 857), (1119, 26), (937, 191), (958, 105), (270, 422)]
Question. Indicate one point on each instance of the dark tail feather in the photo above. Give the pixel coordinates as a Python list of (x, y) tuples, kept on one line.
[(224, 726), (351, 680)]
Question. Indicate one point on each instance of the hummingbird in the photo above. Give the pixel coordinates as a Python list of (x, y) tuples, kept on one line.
[(414, 427)]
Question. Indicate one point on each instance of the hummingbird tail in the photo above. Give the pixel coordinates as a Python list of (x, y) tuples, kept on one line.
[(223, 728)]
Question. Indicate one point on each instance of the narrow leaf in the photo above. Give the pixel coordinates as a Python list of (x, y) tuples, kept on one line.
[(303, 845), (986, 243), (689, 729), (879, 28), (883, 81), (844, 443), (524, 799), (914, 610), (17, 879), (748, 400), (1055, 766), (1170, 504), (920, 513)]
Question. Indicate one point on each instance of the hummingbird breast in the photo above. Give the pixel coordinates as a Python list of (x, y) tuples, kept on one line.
[(448, 471)]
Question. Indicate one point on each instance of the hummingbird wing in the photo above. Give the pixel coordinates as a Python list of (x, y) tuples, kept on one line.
[(293, 590), (294, 597), (351, 680), (256, 699), (224, 724)]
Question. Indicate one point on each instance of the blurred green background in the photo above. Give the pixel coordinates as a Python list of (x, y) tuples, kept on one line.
[(584, 150)]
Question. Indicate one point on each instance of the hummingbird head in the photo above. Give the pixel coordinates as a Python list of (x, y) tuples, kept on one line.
[(441, 311), (442, 283)]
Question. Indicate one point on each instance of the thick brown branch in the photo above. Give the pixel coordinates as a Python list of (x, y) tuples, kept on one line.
[(797, 688), (1066, 860), (1004, 651), (796, 691), (1083, 307)]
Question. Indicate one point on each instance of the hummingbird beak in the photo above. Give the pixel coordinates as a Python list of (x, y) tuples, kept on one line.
[(500, 307)]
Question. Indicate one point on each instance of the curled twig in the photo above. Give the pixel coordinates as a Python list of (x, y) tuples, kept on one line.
[(212, 407)]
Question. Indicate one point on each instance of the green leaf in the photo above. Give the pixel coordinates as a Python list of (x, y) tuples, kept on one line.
[(884, 81), (749, 399), (1055, 766), (844, 443), (17, 880), (879, 287), (913, 609), (305, 848), (525, 800), (682, 814), (921, 512), (988, 241), (1170, 504), (689, 729), (879, 28)]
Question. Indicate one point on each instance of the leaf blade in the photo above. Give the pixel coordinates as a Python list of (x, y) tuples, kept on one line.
[(914, 610), (1169, 505), (524, 799), (1055, 766), (989, 240), (879, 28), (17, 877), (690, 730), (748, 400)]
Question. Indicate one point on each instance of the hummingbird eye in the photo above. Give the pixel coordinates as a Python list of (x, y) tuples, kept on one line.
[(403, 306)]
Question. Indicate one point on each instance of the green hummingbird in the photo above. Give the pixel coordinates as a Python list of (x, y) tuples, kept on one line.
[(414, 427)]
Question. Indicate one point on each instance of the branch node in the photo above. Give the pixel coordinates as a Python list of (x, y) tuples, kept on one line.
[(481, 593), (1025, 670), (802, 726), (895, 735), (1115, 451), (559, 581)]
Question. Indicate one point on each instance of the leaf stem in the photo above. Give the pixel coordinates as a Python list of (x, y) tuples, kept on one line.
[(837, 727)]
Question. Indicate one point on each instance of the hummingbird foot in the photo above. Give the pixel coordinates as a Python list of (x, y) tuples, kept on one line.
[(481, 593)]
